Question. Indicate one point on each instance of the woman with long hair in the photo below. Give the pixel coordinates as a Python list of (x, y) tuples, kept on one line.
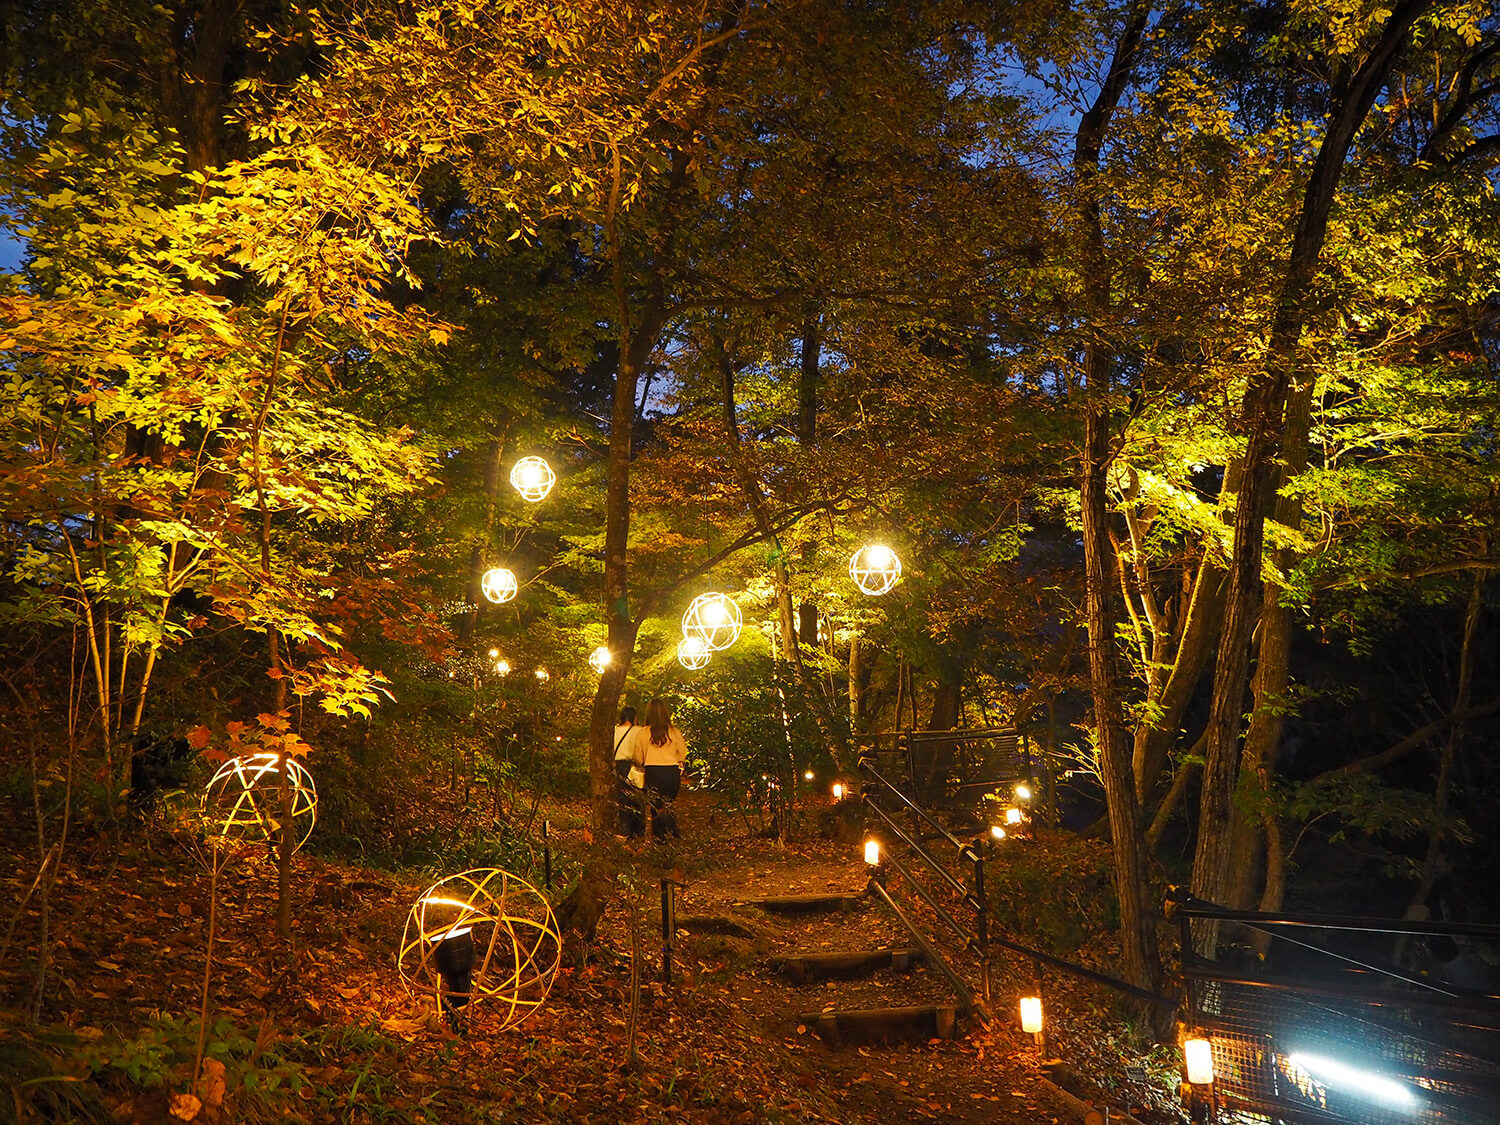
[(660, 748)]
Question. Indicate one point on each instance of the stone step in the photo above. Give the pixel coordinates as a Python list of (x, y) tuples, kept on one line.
[(799, 967), (924, 1021), (808, 904)]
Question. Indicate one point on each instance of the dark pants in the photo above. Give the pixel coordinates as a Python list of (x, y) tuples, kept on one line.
[(632, 822), (662, 786)]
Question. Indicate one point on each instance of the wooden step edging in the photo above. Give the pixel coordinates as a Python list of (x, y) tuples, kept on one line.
[(807, 904), (927, 1020), (799, 967)]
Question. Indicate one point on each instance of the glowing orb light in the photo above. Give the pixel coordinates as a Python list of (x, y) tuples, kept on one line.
[(243, 799), (503, 667), (875, 569), (482, 936), (599, 659), (543, 675), (714, 619), (693, 654), (498, 584), (533, 478)]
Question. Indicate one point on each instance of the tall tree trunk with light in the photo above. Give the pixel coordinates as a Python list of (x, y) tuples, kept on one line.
[(1262, 418), (1131, 877)]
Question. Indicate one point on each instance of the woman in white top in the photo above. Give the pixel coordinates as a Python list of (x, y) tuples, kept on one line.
[(628, 797), (660, 748)]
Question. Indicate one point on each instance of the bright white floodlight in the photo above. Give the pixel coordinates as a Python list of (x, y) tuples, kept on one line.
[(498, 584), (1354, 1082), (714, 619), (875, 569), (533, 478)]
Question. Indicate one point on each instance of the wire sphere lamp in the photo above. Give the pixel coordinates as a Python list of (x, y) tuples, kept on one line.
[(243, 799), (498, 584), (600, 659), (533, 478), (693, 654), (875, 569), (714, 619), (481, 936)]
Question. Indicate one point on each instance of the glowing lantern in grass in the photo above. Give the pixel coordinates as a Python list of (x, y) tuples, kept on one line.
[(1013, 816), (599, 659), (693, 654), (714, 619), (1031, 1015), (483, 936), (1023, 792), (872, 852), (533, 478), (503, 667), (1198, 1055), (243, 799), (543, 675), (875, 569), (996, 832), (498, 584), (838, 790)]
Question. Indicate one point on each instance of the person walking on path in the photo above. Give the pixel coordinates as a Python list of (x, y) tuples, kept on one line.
[(661, 749), (632, 821)]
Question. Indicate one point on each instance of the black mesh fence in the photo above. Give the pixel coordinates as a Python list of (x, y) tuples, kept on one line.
[(1362, 1048)]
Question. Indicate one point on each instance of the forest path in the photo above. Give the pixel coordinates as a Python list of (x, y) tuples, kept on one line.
[(983, 1075)]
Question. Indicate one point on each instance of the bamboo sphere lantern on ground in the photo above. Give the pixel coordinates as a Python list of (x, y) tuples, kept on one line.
[(481, 937), (714, 619), (875, 569), (533, 478), (498, 584), (243, 800), (693, 654)]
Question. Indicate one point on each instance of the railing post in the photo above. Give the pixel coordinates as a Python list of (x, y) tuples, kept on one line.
[(982, 909)]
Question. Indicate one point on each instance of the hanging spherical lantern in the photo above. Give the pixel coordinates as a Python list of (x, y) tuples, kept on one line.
[(498, 584), (533, 478), (875, 568), (599, 659), (693, 654), (481, 937), (714, 619), (243, 799)]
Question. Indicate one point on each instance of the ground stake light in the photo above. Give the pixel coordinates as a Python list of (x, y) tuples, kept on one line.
[(599, 659), (1198, 1055), (533, 478), (1023, 792), (1031, 1015), (875, 569), (243, 800), (498, 584), (872, 852), (714, 619), (482, 936), (838, 790)]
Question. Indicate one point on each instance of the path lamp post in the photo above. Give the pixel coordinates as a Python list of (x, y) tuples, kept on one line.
[(1198, 1065)]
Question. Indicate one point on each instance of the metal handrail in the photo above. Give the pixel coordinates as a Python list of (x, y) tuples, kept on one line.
[(1198, 908), (866, 766), (926, 896), (1077, 970), (931, 952), (931, 861)]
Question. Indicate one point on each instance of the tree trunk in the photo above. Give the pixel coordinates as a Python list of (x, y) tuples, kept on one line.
[(1131, 878), (807, 380), (1261, 420)]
